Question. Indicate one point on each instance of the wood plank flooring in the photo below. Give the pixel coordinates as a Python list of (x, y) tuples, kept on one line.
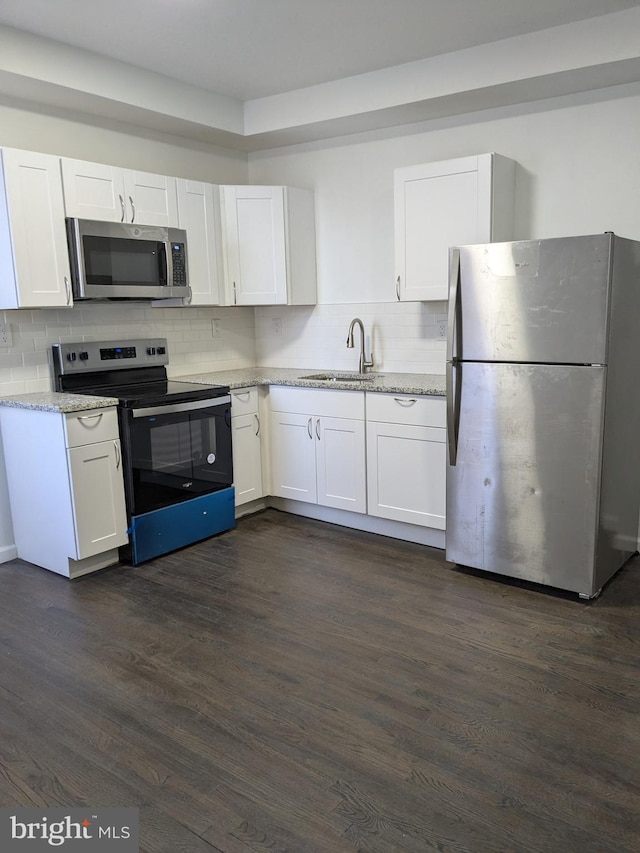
[(295, 687)]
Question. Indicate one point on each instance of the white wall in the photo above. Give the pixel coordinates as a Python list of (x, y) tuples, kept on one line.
[(579, 172)]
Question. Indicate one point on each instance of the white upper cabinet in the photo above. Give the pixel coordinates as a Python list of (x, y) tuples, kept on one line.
[(34, 262), (449, 203), (111, 194), (199, 215), (268, 245)]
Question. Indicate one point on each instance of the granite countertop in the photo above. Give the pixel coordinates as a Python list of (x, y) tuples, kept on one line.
[(55, 401), (396, 383)]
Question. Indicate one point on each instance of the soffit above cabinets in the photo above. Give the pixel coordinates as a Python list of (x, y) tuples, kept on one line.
[(565, 59)]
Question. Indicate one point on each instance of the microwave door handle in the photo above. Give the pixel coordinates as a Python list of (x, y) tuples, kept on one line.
[(165, 275)]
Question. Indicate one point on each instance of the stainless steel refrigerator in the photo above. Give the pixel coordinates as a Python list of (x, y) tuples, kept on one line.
[(543, 404)]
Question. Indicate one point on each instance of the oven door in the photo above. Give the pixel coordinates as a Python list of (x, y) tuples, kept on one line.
[(175, 452)]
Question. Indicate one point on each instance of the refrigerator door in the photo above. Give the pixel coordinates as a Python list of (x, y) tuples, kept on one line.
[(534, 301), (522, 498)]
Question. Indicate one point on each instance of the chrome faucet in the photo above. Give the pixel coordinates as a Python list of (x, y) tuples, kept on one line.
[(363, 363)]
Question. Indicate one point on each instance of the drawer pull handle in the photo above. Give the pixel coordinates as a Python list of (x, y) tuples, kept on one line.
[(242, 394), (96, 418), (403, 401)]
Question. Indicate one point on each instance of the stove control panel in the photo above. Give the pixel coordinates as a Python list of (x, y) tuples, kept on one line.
[(109, 353), (89, 356)]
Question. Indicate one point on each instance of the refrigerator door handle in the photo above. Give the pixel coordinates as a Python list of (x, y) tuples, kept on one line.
[(452, 378), (454, 287), (453, 410)]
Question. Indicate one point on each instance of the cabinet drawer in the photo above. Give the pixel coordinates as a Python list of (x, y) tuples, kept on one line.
[(317, 401), (409, 409), (91, 425), (244, 401)]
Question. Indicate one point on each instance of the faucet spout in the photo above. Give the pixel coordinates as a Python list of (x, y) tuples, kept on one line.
[(363, 362)]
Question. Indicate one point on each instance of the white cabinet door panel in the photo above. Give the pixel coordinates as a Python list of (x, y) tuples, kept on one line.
[(255, 244), (247, 458), (33, 232), (198, 208), (98, 497), (150, 199), (93, 191), (407, 473), (293, 457), (341, 463)]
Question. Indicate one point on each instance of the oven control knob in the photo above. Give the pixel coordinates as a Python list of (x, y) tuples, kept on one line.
[(162, 350), (151, 350), (71, 356), (83, 356)]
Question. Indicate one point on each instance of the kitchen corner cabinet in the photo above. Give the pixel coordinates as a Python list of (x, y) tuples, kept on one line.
[(34, 262), (318, 447), (406, 458), (199, 215), (268, 245), (443, 204), (110, 194), (247, 438), (66, 488)]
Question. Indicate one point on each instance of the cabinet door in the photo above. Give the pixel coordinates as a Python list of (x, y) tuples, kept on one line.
[(111, 194), (199, 215), (406, 468), (150, 199), (247, 458), (449, 203), (32, 230), (341, 463), (254, 245), (97, 487), (293, 456), (93, 191)]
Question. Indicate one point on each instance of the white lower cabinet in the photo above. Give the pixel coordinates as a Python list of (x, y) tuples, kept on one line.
[(246, 432), (406, 458), (317, 447), (66, 488)]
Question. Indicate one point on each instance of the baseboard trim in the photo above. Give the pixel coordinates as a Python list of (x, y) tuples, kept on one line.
[(8, 552), (382, 526)]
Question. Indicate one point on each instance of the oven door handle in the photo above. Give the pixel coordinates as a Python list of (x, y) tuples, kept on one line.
[(172, 408)]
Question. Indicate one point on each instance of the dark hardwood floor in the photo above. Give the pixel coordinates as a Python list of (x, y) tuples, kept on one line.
[(295, 686)]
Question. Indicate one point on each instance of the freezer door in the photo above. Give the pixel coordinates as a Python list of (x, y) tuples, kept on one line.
[(522, 498), (534, 301)]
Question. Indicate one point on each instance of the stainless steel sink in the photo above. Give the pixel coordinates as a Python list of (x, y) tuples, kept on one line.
[(341, 377)]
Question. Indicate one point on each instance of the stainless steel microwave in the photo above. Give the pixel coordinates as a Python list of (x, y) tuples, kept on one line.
[(120, 260)]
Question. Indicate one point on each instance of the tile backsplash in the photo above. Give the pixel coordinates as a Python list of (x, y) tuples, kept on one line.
[(196, 343), (403, 337)]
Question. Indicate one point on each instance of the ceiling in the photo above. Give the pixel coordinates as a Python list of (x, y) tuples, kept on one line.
[(249, 49)]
